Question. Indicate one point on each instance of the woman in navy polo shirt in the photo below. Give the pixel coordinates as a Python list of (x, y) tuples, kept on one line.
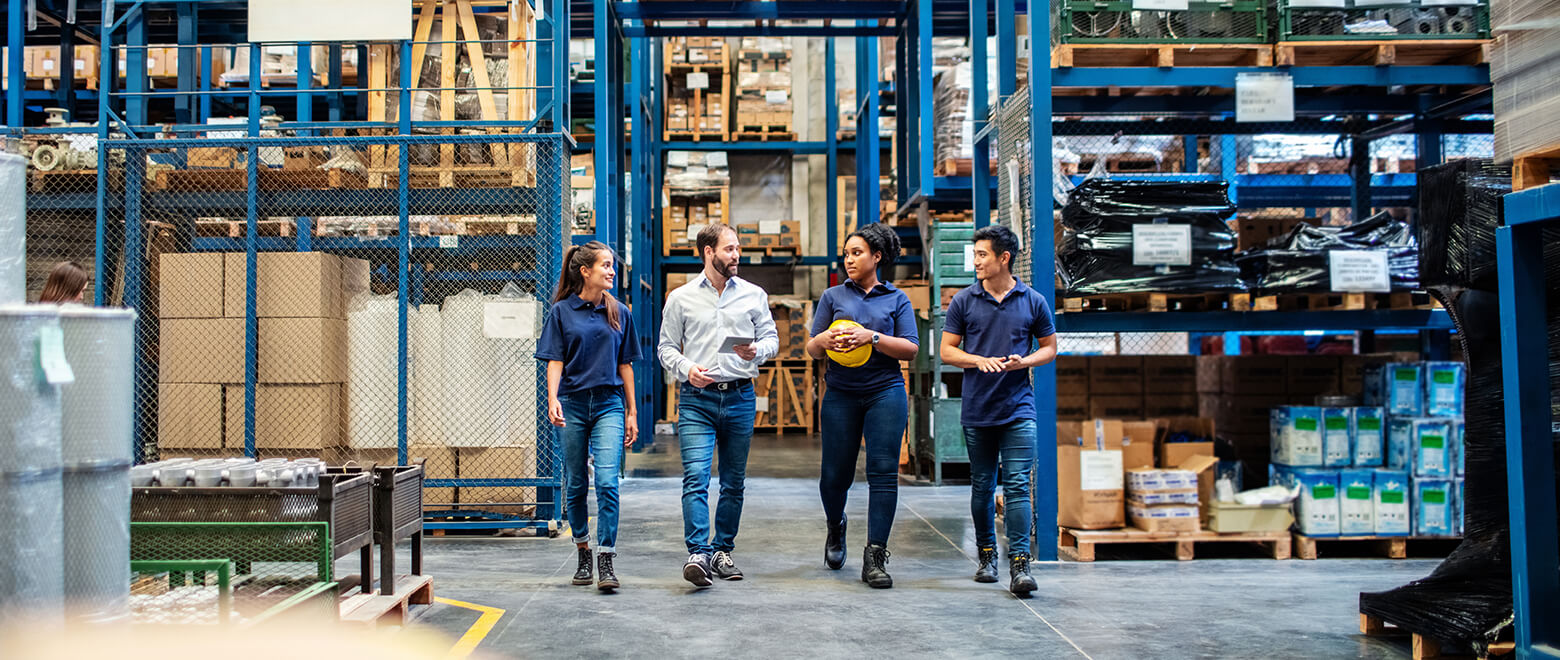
[(590, 346), (866, 401)]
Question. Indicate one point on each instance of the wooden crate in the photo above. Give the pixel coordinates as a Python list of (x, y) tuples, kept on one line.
[(698, 100), (670, 230), (785, 388), (1078, 545), (1535, 168), (1158, 302), (1424, 648), (1391, 547), (1418, 52), (1160, 55)]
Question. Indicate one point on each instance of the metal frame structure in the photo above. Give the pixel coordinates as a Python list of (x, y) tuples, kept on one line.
[(1530, 475)]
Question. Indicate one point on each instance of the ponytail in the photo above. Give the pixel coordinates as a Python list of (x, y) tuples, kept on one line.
[(570, 282)]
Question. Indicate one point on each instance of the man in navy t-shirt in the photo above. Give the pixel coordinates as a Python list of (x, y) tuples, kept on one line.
[(992, 332)]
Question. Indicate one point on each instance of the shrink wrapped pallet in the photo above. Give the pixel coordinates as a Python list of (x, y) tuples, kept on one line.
[(372, 409)]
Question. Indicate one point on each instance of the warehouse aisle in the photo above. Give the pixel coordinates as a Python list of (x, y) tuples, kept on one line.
[(791, 606)]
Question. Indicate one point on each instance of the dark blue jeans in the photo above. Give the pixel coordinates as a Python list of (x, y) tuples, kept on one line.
[(847, 418), (710, 421), (593, 431), (1006, 452)]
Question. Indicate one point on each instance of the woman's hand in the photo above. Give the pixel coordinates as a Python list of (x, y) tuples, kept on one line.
[(848, 338), (555, 411), (630, 428)]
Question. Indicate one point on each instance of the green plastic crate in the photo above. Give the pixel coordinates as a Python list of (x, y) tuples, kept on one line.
[(1349, 20), (1088, 22)]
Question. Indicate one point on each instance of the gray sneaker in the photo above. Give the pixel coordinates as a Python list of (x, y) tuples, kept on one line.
[(726, 569), (697, 570)]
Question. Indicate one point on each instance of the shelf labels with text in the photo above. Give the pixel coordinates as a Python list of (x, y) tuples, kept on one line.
[(1359, 271), (1161, 245), (449, 242), (769, 226), (1160, 5), (969, 257), (776, 96), (1264, 97), (698, 80)]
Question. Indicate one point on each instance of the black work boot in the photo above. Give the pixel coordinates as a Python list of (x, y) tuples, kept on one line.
[(874, 568), (607, 580), (834, 546), (987, 572), (1023, 583), (582, 574)]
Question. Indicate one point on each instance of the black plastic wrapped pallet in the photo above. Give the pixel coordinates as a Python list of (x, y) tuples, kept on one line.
[(1095, 255), (1459, 208), (1299, 262)]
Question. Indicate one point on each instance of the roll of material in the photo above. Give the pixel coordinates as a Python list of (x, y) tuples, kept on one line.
[(32, 585), (13, 229), (97, 543), (29, 405), (474, 414), (525, 382), (97, 410), (372, 338), (428, 376)]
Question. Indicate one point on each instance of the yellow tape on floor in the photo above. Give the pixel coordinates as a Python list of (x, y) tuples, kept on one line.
[(477, 632)]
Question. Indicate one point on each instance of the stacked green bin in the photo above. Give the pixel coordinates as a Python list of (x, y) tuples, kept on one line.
[(1090, 22), (938, 436), (1343, 20)]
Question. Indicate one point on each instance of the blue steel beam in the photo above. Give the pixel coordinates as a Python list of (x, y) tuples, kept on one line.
[(980, 189), (811, 147), (1043, 278), (764, 30), (748, 10), (1304, 76), (868, 155), (403, 255), (15, 74), (1307, 104), (831, 132), (1411, 319)]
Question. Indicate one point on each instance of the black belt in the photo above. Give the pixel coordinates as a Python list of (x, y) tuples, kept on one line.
[(726, 385)]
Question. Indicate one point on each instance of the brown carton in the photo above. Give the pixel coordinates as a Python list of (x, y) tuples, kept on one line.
[(1089, 477), (1206, 467), (303, 351), (290, 285), (1169, 374), (190, 286), (1210, 373), (1070, 407), (1172, 454), (1137, 447), (1256, 374), (1116, 406), (1072, 375), (201, 351), (1170, 405), (288, 416), (438, 463), (1250, 413), (189, 416), (218, 158), (1115, 374), (1311, 375), (498, 463)]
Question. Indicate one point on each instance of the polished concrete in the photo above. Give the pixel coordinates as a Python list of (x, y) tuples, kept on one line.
[(792, 606)]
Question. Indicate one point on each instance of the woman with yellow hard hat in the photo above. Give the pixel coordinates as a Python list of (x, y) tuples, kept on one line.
[(865, 327)]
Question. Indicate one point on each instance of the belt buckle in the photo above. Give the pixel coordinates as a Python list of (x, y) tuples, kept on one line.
[(723, 386)]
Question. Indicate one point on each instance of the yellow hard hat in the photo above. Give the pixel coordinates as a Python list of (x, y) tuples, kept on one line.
[(854, 357)]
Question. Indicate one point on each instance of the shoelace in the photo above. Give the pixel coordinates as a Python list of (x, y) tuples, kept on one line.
[(1021, 564), (694, 558), (882, 555), (606, 564), (723, 560)]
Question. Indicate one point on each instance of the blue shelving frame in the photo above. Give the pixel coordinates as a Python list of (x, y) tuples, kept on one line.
[(1530, 475)]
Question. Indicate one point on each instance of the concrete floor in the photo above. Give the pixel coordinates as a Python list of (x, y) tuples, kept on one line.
[(792, 606)]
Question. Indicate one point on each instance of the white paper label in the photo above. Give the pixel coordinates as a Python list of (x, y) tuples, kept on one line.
[(698, 80), (678, 158), (715, 159), (969, 258), (1359, 271), (776, 96), (51, 356), (1160, 5), (449, 242), (768, 226), (1100, 470), (1264, 97), (1330, 4), (508, 320), (81, 65), (693, 232), (761, 403), (48, 65), (1161, 245)]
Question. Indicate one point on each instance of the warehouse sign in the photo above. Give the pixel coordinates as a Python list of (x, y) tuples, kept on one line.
[(1359, 271), (330, 20), (1161, 245), (1264, 97)]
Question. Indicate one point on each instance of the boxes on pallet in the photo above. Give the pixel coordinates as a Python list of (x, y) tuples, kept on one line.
[(1170, 375), (1444, 388), (1089, 474), (287, 416), (1357, 506), (1421, 446), (1390, 501), (1116, 406), (190, 285), (303, 350), (1256, 374), (1116, 374), (1170, 405), (189, 416), (1073, 407), (1369, 432), (1434, 506), (1137, 444), (1181, 518), (1072, 375), (201, 351), (1337, 436), (1296, 435), (1317, 511), (288, 284), (1396, 386), (1177, 439), (1311, 375), (1233, 518), (518, 462), (1352, 370)]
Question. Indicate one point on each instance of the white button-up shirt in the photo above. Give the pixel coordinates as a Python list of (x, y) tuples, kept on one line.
[(697, 320)]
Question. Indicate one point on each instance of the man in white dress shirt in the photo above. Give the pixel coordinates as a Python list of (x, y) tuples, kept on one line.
[(715, 402)]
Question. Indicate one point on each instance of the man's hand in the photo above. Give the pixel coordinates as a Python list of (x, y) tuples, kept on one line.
[(630, 429), (990, 365), (1014, 362), (555, 411), (697, 377), (746, 351)]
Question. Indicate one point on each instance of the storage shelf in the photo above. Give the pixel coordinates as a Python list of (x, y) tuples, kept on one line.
[(1378, 319)]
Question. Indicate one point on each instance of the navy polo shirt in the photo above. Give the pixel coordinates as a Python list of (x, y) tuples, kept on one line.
[(885, 310), (578, 334), (993, 329)]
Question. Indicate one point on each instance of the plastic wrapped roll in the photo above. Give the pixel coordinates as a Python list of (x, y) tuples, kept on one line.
[(372, 409), (428, 377), (97, 543), (32, 585), (13, 229), (97, 409), (473, 408), (1096, 253), (524, 381), (29, 405)]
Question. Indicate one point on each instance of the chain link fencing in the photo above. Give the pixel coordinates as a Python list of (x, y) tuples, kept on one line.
[(210, 573)]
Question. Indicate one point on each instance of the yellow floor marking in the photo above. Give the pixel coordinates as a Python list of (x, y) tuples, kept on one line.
[(477, 632)]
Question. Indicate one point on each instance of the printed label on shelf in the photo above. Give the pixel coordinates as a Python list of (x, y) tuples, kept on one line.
[(449, 242), (1264, 97), (698, 170), (508, 320), (1160, 5), (969, 258), (769, 226), (1100, 470), (761, 403), (1161, 245), (698, 80), (51, 356), (1359, 271)]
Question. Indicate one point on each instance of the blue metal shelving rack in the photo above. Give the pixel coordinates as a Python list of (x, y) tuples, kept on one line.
[(1530, 455)]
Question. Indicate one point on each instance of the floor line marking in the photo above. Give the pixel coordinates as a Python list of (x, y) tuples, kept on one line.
[(1021, 601), (535, 593), (477, 632)]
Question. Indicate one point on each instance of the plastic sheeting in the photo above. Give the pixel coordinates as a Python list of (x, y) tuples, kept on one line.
[(428, 376), (372, 409), (97, 543), (1459, 208), (98, 408), (13, 229), (492, 390), (1300, 261), (29, 405), (1096, 254), (31, 531)]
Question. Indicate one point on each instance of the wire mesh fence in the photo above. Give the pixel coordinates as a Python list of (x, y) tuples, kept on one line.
[(1091, 21), (226, 573)]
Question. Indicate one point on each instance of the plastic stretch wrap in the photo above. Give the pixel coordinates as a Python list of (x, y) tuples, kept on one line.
[(1299, 262), (428, 376), (491, 394), (29, 405), (1096, 253), (13, 229), (31, 542), (97, 543), (1459, 208), (372, 329), (97, 410)]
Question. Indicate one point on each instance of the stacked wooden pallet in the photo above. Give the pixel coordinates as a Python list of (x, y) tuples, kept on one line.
[(763, 90), (698, 89)]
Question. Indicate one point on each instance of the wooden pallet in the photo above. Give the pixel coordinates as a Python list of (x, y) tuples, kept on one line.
[(1535, 168), (695, 136), (1424, 648), (377, 610), (269, 179), (65, 181), (790, 409), (237, 228), (1158, 302), (1290, 302), (1078, 545), (747, 250), (763, 133), (1160, 55), (959, 167), (1391, 547), (457, 176), (1386, 52)]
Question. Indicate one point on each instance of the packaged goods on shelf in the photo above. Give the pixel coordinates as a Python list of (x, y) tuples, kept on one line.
[(1422, 446), (1297, 436), (1303, 261), (955, 137), (1089, 474), (1337, 436), (1459, 208), (1125, 236), (1444, 383), (1391, 503), (1524, 63), (1435, 505), (697, 169), (1357, 509), (1397, 387), (1370, 432), (1317, 511)]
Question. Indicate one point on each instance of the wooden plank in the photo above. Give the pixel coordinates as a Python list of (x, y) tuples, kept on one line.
[(447, 66), (420, 39), (1534, 168), (486, 103), (1384, 52), (1078, 544)]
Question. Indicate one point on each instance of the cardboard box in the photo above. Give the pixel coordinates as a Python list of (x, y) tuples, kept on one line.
[(1206, 467), (1232, 518), (1256, 374), (1071, 407), (1248, 413), (1090, 478), (1116, 406), (1169, 374), (201, 351), (1312, 375), (1210, 373), (1137, 445), (920, 294), (1170, 405), (1115, 374), (498, 463), (303, 351), (1178, 518), (1175, 453), (1072, 374), (212, 158), (290, 285), (189, 416), (305, 417), (189, 285)]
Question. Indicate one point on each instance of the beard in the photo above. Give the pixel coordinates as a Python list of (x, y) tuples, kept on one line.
[(727, 269)]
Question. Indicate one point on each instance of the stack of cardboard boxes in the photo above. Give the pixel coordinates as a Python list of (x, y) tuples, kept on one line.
[(695, 50), (1126, 386), (793, 322), (1106, 468), (698, 85), (763, 84), (771, 233)]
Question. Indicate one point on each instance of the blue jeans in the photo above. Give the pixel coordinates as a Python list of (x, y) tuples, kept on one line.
[(710, 421), (1006, 452), (847, 418), (593, 430)]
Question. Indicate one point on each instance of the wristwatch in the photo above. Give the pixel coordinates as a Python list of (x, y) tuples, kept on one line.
[(876, 338)]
